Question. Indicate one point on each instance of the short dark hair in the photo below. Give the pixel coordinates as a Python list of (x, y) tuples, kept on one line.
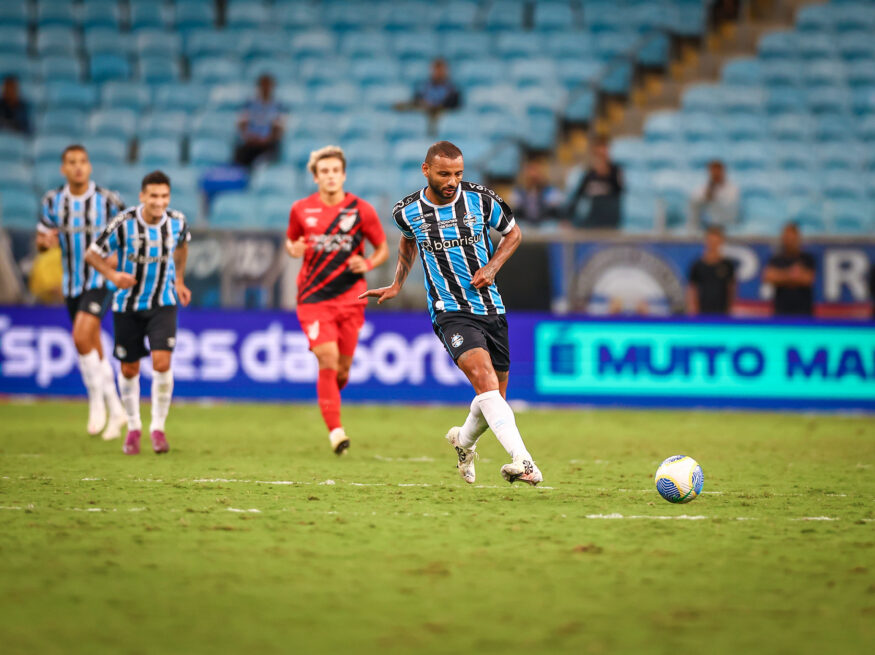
[(713, 228), (791, 225), (442, 149), (155, 177), (74, 147), (716, 162)]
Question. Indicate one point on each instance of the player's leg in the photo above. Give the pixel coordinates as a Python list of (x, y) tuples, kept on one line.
[(328, 393), (95, 303), (348, 323), (129, 330), (86, 339), (161, 329)]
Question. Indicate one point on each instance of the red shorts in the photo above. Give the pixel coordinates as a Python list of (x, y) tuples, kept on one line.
[(326, 322)]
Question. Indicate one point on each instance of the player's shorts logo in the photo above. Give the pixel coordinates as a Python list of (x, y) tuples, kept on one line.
[(457, 340), (313, 331), (94, 307), (171, 341), (120, 351)]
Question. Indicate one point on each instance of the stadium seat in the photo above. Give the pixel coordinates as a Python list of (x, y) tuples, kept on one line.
[(267, 45), (59, 68), (743, 70), (194, 15), (125, 95), (339, 96), (56, 41), (638, 212), (15, 177), (153, 42), (13, 40), (215, 70), (186, 201), (778, 45), (706, 98), (272, 211), (183, 96), (120, 123), (14, 149), (664, 126), (415, 14), (744, 126), (233, 210), (209, 152), (367, 151), (550, 16), (276, 179), (247, 15), (700, 153), (214, 124), (182, 178), (106, 150), (814, 46), (106, 67), (107, 40), (794, 155), (145, 14), (49, 148), (19, 208), (505, 15), (655, 51), (69, 123), (315, 42), (629, 152), (71, 94), (297, 15), (816, 19), (159, 151), (663, 156), (100, 13), (14, 14), (156, 70), (375, 70), (857, 45), (55, 13), (207, 43)]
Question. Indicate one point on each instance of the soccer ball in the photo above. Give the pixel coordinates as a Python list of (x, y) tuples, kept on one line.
[(679, 479)]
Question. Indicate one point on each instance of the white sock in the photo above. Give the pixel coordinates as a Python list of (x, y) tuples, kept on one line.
[(89, 365), (109, 392), (474, 426), (162, 390), (501, 420), (130, 392)]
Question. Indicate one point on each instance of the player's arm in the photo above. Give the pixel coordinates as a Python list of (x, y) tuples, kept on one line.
[(692, 299), (506, 247), (103, 264), (47, 230), (359, 264), (180, 256), (406, 257), (776, 275)]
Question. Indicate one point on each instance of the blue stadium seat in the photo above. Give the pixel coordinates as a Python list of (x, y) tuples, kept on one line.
[(853, 46), (273, 211), (159, 69), (188, 202), (194, 15), (125, 95), (851, 215), (795, 155), (214, 124), (365, 44), (699, 153), (55, 13), (106, 150), (655, 51), (780, 99), (230, 96), (209, 152), (49, 148), (367, 151), (215, 70), (407, 125), (276, 179), (159, 151), (701, 126), (106, 67), (462, 46), (551, 16), (101, 40), (412, 17), (208, 43), (742, 98), (348, 16), (325, 125), (479, 72), (824, 72), (744, 126), (145, 14), (816, 19), (787, 72), (743, 70), (747, 155), (863, 99), (119, 123), (315, 42), (638, 211), (816, 46), (866, 130), (664, 126), (16, 177), (703, 98), (163, 123), (505, 15), (71, 94), (14, 149), (266, 45), (47, 173), (854, 16), (457, 15), (843, 184), (834, 127), (19, 207), (69, 123), (779, 45), (183, 179), (233, 210), (409, 45), (13, 40), (282, 69), (533, 71), (828, 99), (154, 42), (629, 152), (183, 96), (374, 181), (59, 68), (375, 70), (608, 45), (842, 155), (14, 14), (100, 13), (860, 73), (664, 156), (297, 15), (771, 211), (337, 97), (56, 41), (247, 15)]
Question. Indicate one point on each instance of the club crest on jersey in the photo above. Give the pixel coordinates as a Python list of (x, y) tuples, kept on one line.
[(469, 219), (457, 340), (311, 221), (348, 220), (313, 331)]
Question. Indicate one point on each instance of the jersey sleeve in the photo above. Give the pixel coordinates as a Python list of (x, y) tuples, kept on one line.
[(108, 242), (116, 204), (501, 218), (401, 222), (48, 219), (184, 234), (294, 231), (371, 226)]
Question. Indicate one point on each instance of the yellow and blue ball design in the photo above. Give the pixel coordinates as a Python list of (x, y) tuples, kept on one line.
[(679, 479)]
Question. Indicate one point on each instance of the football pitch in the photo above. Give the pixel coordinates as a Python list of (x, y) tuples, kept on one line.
[(250, 536)]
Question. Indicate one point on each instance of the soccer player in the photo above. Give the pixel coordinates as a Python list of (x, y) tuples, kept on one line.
[(151, 242), (448, 222), (75, 214), (328, 229)]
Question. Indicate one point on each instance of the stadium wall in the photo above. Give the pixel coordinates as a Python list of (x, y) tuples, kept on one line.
[(262, 356)]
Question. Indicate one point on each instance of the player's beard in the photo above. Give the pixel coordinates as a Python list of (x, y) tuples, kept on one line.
[(444, 192)]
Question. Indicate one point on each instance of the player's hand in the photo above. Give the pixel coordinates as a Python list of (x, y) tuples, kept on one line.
[(123, 280), (47, 240), (358, 264), (183, 293), (296, 248), (381, 294), (484, 277)]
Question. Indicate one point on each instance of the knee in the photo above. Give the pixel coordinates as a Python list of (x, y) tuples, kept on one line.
[(484, 379), (327, 360), (161, 364), (82, 341), (130, 369)]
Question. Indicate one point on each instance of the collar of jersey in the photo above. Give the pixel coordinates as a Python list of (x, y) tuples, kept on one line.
[(88, 192), (143, 220), (449, 204)]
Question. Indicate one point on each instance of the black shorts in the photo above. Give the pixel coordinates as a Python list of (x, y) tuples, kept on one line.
[(131, 328), (94, 302), (461, 331)]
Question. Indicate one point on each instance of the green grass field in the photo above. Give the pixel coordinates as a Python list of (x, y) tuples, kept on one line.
[(250, 536)]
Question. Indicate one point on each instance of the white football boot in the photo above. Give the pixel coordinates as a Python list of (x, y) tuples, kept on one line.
[(114, 426), (523, 470), (339, 441), (466, 456), (96, 414)]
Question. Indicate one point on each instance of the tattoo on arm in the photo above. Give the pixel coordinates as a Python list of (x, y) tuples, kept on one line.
[(406, 255)]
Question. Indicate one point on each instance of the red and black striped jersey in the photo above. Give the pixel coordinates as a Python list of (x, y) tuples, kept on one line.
[(333, 234)]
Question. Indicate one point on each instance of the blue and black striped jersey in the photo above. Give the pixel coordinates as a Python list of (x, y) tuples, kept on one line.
[(78, 220), (453, 241), (146, 252)]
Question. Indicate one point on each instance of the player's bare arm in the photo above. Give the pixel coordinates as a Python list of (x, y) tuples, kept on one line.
[(359, 264), (506, 247), (406, 257), (180, 256), (104, 266)]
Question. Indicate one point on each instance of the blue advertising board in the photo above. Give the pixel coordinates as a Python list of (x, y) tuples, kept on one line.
[(262, 355)]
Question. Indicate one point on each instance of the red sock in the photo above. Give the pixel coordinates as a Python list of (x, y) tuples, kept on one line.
[(341, 385), (329, 397)]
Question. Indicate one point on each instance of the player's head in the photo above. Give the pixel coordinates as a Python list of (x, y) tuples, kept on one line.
[(791, 238), (265, 86), (716, 171), (328, 168), (155, 193), (714, 238), (75, 165), (443, 168)]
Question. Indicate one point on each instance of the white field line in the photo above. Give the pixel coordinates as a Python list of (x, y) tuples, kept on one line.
[(680, 517), (383, 458), (816, 518), (250, 511)]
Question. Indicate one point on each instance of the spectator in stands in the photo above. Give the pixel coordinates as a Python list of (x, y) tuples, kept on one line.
[(711, 288), (14, 112), (260, 125), (792, 273), (437, 92), (535, 200), (602, 186), (716, 202)]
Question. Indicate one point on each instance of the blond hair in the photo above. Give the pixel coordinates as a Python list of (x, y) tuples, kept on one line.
[(325, 153)]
